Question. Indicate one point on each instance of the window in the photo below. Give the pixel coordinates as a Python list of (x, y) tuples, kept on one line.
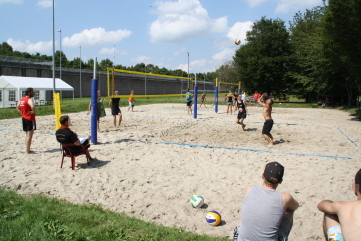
[(38, 73), (11, 95), (37, 94), (1, 94), (23, 72)]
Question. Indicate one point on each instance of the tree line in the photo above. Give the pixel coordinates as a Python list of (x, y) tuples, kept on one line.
[(317, 57)]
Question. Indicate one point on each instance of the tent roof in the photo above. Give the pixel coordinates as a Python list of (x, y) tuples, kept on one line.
[(36, 83)]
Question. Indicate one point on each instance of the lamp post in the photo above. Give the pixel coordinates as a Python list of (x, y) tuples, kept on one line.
[(53, 51), (188, 71), (145, 71), (60, 52), (81, 95)]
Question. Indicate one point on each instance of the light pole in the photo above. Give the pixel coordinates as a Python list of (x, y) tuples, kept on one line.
[(188, 71), (60, 52), (81, 95), (145, 71), (53, 52)]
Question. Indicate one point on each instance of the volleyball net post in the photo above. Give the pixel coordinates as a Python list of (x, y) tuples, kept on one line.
[(57, 110), (94, 111), (216, 97), (195, 89)]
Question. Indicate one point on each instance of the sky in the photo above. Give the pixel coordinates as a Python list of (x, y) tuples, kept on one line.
[(166, 33)]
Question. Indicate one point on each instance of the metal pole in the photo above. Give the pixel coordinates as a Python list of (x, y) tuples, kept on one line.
[(81, 95), (195, 92), (60, 52), (53, 50), (145, 71), (188, 70)]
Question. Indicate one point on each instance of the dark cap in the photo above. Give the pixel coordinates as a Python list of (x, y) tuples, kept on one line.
[(273, 172)]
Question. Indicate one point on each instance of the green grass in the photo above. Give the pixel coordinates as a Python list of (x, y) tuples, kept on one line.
[(36, 217)]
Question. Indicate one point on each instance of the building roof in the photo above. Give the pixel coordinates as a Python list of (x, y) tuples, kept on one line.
[(19, 82)]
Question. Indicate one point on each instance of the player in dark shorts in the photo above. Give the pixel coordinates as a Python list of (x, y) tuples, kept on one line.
[(242, 113), (235, 101), (267, 127), (229, 98), (114, 105), (26, 108), (268, 124)]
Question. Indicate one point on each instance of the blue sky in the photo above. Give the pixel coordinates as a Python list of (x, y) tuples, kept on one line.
[(129, 32)]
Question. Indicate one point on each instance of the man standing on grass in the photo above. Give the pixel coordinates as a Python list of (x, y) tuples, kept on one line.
[(342, 220), (255, 97), (26, 108), (268, 124)]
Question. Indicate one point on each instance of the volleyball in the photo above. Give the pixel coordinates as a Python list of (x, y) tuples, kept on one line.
[(237, 41), (196, 201), (213, 218)]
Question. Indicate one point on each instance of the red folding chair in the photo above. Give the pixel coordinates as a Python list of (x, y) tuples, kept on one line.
[(67, 153)]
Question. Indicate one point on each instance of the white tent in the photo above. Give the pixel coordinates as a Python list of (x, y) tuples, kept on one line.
[(12, 87)]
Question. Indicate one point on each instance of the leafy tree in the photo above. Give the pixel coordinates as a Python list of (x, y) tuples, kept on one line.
[(342, 26), (105, 63), (64, 60), (6, 49), (266, 62), (312, 71)]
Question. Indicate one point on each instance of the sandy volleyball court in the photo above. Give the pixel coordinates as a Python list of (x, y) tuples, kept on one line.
[(160, 156)]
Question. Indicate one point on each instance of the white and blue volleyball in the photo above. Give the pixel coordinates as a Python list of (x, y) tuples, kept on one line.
[(213, 218), (196, 201)]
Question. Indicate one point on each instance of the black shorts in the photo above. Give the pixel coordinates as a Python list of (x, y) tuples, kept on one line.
[(241, 115), (75, 150), (189, 103), (28, 125), (267, 127), (116, 111)]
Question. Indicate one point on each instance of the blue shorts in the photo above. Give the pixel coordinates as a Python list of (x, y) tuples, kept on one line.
[(131, 104), (334, 233), (230, 102)]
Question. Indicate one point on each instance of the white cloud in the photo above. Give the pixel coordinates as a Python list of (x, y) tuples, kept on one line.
[(183, 67), (30, 47), (11, 1), (183, 20), (224, 55), (107, 51), (285, 6), (255, 3), (140, 59), (45, 3), (195, 66), (182, 51), (95, 36), (239, 30)]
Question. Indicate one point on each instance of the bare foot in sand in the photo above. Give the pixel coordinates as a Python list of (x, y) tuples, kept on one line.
[(243, 126)]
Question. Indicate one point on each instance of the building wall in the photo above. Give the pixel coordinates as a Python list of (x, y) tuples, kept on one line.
[(124, 83)]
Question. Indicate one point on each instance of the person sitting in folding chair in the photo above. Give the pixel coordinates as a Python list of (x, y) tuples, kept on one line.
[(66, 136)]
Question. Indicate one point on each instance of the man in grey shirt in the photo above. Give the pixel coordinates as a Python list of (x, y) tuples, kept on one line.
[(267, 214)]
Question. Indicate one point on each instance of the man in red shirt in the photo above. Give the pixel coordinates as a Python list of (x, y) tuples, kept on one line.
[(26, 108), (256, 97)]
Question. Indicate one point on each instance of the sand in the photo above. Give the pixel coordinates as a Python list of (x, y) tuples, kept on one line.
[(160, 156)]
